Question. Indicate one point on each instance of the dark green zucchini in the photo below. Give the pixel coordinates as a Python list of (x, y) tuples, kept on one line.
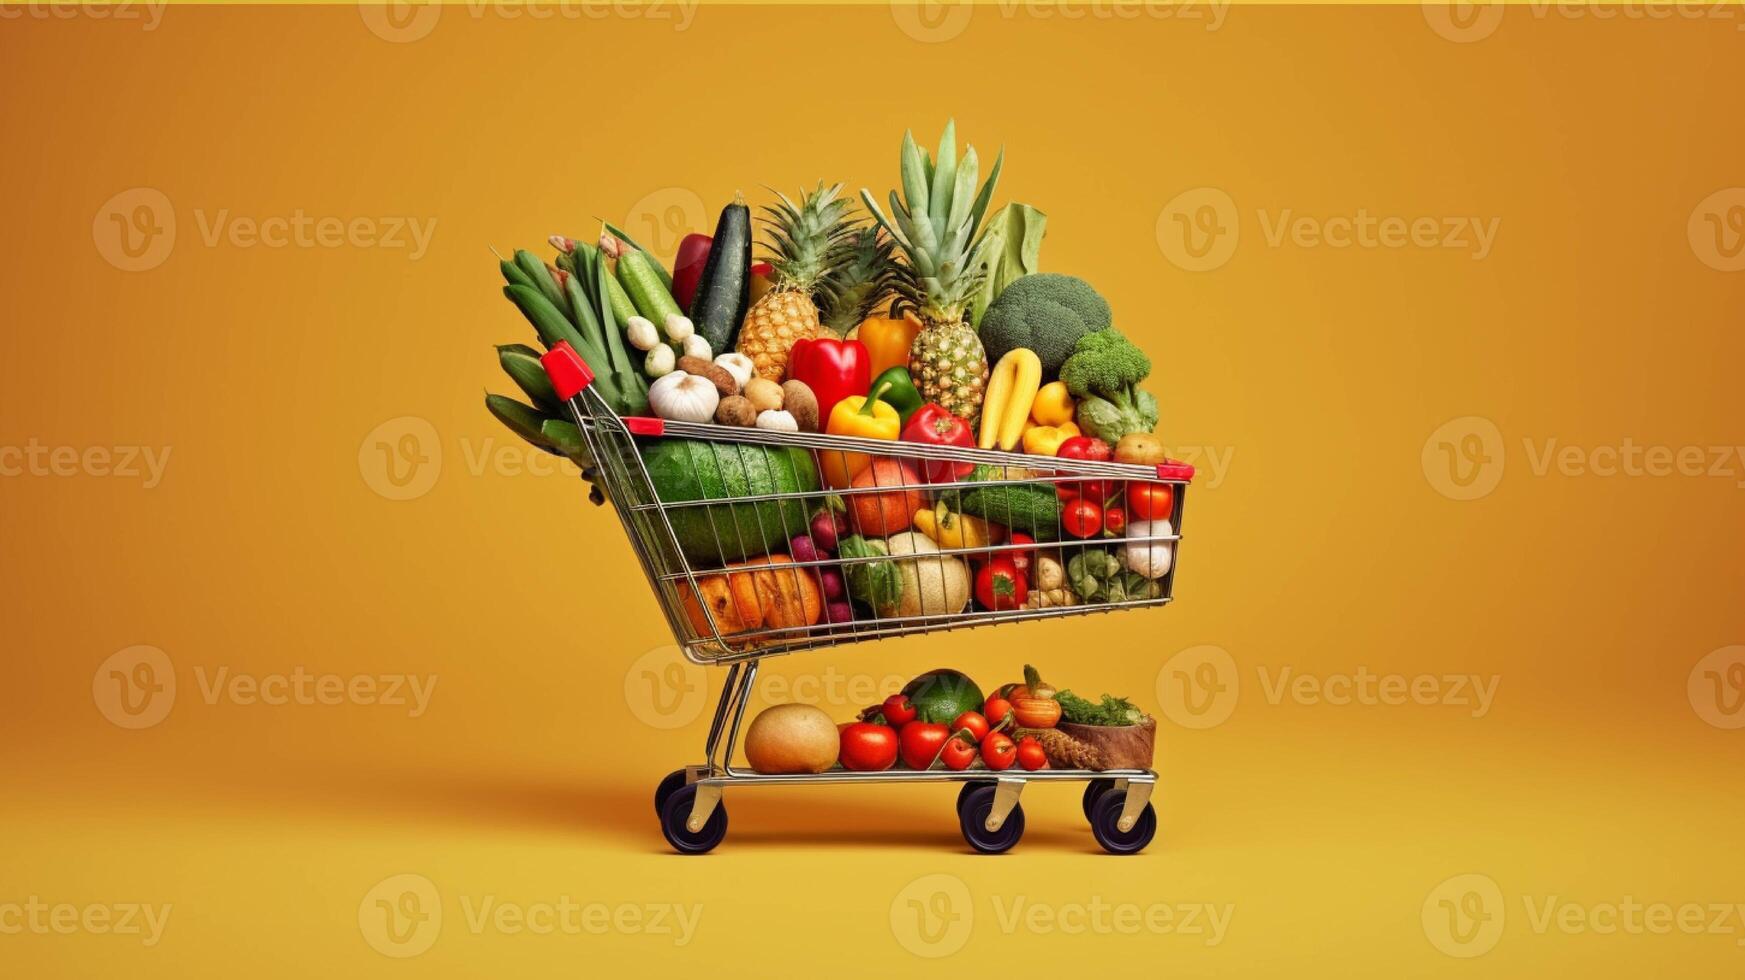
[(724, 291)]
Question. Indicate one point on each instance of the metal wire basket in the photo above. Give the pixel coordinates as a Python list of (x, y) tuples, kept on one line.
[(717, 557)]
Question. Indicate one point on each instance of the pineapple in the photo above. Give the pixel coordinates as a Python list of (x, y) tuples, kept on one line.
[(935, 223), (861, 279), (803, 239)]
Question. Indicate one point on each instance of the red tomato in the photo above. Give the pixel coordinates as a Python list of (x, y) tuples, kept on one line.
[(958, 753), (898, 711), (999, 752), (999, 585), (1151, 501), (920, 742), (1030, 754), (974, 723), (867, 747), (996, 710), (1082, 519), (1021, 558), (1094, 450), (1115, 520)]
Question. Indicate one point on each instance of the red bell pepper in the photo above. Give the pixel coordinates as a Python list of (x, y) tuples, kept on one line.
[(688, 268), (833, 369), (934, 425)]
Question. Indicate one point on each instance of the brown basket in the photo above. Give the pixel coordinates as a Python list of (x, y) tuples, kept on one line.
[(1098, 747)]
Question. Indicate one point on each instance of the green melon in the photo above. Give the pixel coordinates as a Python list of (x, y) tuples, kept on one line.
[(687, 470), (941, 695)]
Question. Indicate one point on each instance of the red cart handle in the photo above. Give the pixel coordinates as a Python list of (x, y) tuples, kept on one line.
[(1170, 469), (569, 374)]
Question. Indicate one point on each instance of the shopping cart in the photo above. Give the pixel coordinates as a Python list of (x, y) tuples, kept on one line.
[(686, 537)]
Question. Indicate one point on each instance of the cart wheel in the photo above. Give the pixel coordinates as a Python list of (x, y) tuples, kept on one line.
[(675, 814), (963, 794), (1105, 820), (972, 816), (1094, 789), (667, 787)]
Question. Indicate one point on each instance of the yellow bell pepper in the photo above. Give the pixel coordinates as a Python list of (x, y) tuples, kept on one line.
[(1053, 404), (1045, 440), (857, 415), (952, 530), (888, 341)]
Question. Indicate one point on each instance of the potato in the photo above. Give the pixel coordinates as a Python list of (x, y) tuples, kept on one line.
[(1139, 447), (765, 394), (797, 398)]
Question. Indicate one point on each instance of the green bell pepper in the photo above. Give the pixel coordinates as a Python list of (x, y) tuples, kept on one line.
[(901, 394)]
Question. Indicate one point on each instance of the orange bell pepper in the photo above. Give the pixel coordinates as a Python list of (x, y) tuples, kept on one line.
[(888, 340), (857, 415)]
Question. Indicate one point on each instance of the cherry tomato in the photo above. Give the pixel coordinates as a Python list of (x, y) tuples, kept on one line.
[(867, 747), (1082, 519), (999, 585), (1021, 558), (958, 753), (1094, 450), (1030, 754), (974, 723), (898, 710), (996, 710), (999, 751), (919, 742), (1115, 520), (1151, 501)]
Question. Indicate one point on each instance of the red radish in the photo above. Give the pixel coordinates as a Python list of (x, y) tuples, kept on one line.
[(828, 527)]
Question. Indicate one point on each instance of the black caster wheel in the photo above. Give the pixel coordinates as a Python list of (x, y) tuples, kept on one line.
[(675, 814), (667, 787), (963, 794), (972, 817), (1105, 817), (1094, 789)]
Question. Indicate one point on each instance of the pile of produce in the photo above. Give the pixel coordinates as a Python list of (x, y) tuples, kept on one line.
[(924, 320), (941, 720)]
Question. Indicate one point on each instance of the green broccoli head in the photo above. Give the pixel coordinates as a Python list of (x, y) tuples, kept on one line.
[(1104, 364), (1102, 373), (1046, 312)]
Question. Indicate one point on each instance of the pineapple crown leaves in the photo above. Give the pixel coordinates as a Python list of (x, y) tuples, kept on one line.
[(937, 220), (863, 276), (800, 239)]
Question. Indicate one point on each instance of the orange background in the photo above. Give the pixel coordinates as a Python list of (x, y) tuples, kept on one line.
[(1324, 546)]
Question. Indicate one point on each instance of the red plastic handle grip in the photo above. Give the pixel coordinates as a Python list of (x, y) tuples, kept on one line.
[(644, 426), (569, 374), (1169, 469)]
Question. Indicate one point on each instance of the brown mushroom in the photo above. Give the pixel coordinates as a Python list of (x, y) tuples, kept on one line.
[(736, 410), (798, 399), (723, 379)]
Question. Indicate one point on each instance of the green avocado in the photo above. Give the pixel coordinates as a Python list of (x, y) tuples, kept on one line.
[(685, 470), (941, 695)]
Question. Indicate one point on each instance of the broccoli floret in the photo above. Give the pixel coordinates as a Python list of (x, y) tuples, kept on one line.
[(1046, 312), (1102, 373)]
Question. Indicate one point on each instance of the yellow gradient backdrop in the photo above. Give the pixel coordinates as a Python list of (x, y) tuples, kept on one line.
[(1335, 230)]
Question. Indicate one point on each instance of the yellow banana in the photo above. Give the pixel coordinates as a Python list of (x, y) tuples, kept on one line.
[(994, 399), (1025, 373)]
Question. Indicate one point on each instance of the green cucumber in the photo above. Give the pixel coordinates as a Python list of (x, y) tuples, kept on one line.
[(523, 420), (666, 278), (622, 308), (724, 291), (653, 300)]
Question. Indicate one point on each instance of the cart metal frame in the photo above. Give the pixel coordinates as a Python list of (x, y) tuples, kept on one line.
[(690, 799)]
